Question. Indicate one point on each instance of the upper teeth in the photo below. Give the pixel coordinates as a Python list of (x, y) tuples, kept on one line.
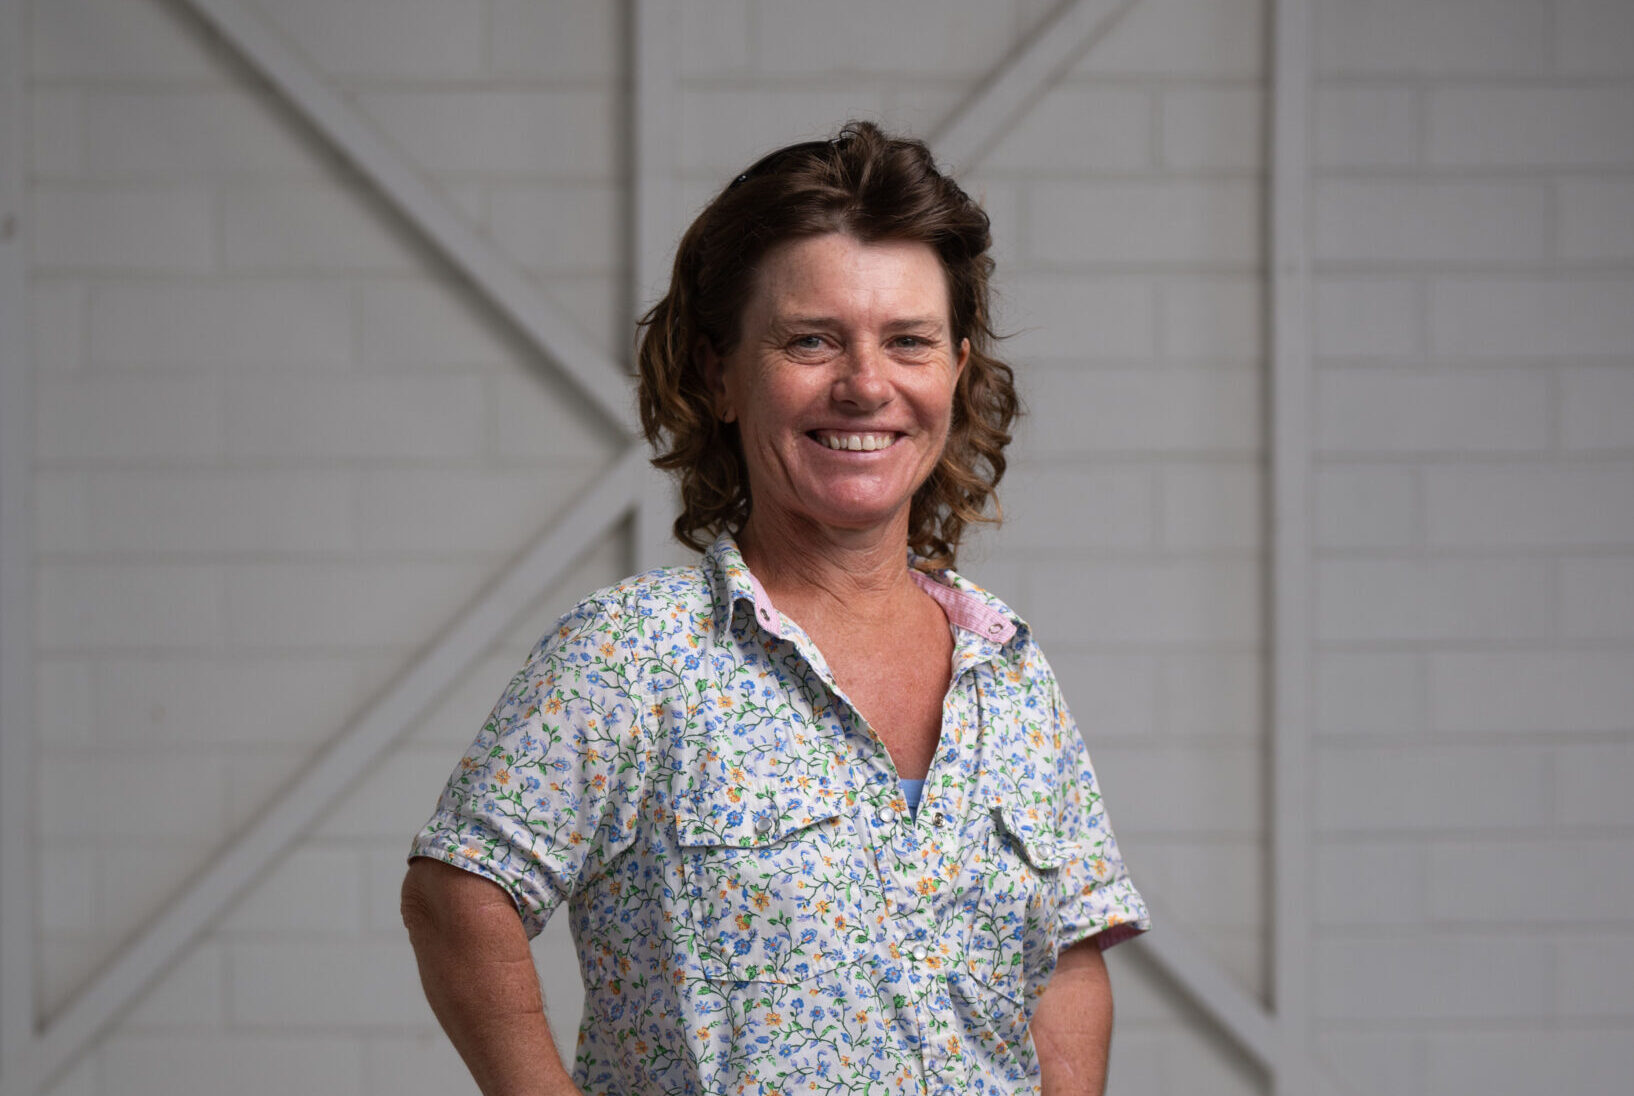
[(862, 442)]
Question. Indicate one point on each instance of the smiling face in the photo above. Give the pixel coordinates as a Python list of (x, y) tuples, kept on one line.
[(841, 382)]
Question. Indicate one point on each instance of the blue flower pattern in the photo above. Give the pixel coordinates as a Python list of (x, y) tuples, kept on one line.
[(755, 909)]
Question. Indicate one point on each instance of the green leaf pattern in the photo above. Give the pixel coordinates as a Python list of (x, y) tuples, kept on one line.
[(755, 909)]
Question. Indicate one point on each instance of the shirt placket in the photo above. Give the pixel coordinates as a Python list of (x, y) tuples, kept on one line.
[(913, 853), (910, 853), (941, 814)]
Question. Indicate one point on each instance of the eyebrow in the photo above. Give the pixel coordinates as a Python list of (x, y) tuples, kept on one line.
[(906, 323)]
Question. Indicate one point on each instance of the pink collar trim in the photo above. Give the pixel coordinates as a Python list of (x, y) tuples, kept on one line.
[(966, 610), (765, 612)]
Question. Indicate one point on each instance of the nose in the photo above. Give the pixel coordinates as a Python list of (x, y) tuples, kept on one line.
[(863, 383)]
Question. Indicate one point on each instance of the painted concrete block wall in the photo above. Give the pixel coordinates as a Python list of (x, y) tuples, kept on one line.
[(279, 445), (1475, 529)]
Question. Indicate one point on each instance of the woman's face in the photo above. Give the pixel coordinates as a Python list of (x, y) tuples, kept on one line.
[(842, 380)]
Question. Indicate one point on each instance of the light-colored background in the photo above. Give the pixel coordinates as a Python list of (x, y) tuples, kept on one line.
[(278, 444)]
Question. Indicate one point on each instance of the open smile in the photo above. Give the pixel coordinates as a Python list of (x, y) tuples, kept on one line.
[(853, 442)]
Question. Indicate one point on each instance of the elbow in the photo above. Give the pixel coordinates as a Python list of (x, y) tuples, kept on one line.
[(440, 902), (416, 905)]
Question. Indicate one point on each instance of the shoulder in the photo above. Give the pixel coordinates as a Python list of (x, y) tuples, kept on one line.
[(639, 611), (1023, 676), (981, 612)]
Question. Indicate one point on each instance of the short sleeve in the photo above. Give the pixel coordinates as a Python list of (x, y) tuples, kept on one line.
[(549, 791), (1097, 897)]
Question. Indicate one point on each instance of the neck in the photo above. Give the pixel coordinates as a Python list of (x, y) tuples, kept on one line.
[(810, 570)]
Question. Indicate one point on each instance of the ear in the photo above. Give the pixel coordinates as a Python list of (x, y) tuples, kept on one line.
[(964, 356), (713, 368)]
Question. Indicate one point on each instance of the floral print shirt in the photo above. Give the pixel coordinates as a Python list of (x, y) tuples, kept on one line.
[(755, 908)]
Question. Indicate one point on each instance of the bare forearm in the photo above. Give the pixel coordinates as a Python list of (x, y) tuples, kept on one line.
[(502, 1034), (1072, 1025), (479, 978)]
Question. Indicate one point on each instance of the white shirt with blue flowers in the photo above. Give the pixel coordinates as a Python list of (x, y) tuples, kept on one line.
[(756, 909)]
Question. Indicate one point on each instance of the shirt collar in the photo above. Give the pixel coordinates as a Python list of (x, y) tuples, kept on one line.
[(732, 584), (967, 605)]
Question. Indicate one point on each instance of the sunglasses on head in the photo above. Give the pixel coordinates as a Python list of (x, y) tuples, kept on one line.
[(772, 162)]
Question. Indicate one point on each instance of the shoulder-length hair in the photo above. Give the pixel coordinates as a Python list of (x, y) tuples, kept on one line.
[(868, 185)]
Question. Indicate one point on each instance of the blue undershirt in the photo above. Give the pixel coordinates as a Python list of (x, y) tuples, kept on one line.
[(911, 789)]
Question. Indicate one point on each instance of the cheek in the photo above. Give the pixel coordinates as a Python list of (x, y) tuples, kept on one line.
[(941, 412)]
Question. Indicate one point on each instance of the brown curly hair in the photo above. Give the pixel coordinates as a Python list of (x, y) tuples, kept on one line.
[(868, 185)]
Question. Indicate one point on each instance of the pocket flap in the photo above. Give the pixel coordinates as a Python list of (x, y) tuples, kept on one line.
[(744, 818), (1040, 842)]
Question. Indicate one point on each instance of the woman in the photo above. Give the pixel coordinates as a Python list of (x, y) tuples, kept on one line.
[(820, 816)]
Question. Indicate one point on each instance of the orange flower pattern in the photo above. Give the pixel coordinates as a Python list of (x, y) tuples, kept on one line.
[(755, 908)]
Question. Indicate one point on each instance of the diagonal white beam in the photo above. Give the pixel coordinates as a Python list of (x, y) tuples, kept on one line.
[(494, 273), (335, 770), (1052, 48), (1242, 1017)]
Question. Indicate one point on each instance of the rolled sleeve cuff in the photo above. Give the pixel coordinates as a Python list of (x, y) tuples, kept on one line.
[(470, 846), (1109, 915)]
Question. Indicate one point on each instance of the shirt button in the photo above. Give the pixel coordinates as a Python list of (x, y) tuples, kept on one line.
[(919, 953), (885, 815), (940, 819), (995, 628), (763, 825)]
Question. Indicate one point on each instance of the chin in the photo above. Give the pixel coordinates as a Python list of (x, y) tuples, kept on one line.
[(856, 518)]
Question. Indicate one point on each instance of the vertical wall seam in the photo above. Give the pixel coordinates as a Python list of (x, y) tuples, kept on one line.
[(653, 30), (18, 874), (1290, 560)]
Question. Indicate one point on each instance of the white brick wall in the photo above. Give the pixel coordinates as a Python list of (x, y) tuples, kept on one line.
[(1499, 37), (1181, 38), (1475, 529), (1597, 596), (1203, 223), (1543, 128), (435, 39), (113, 39), (566, 134), (136, 228), (260, 325), (187, 135), (265, 421), (1567, 316), (1428, 222), (278, 445), (1373, 411)]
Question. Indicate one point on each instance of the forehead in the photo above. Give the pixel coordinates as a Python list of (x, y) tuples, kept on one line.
[(839, 276)]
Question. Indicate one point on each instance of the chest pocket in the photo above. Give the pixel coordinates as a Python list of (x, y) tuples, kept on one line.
[(1013, 931), (772, 884)]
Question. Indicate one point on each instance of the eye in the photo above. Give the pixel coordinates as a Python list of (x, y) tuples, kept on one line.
[(914, 347), (808, 347)]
